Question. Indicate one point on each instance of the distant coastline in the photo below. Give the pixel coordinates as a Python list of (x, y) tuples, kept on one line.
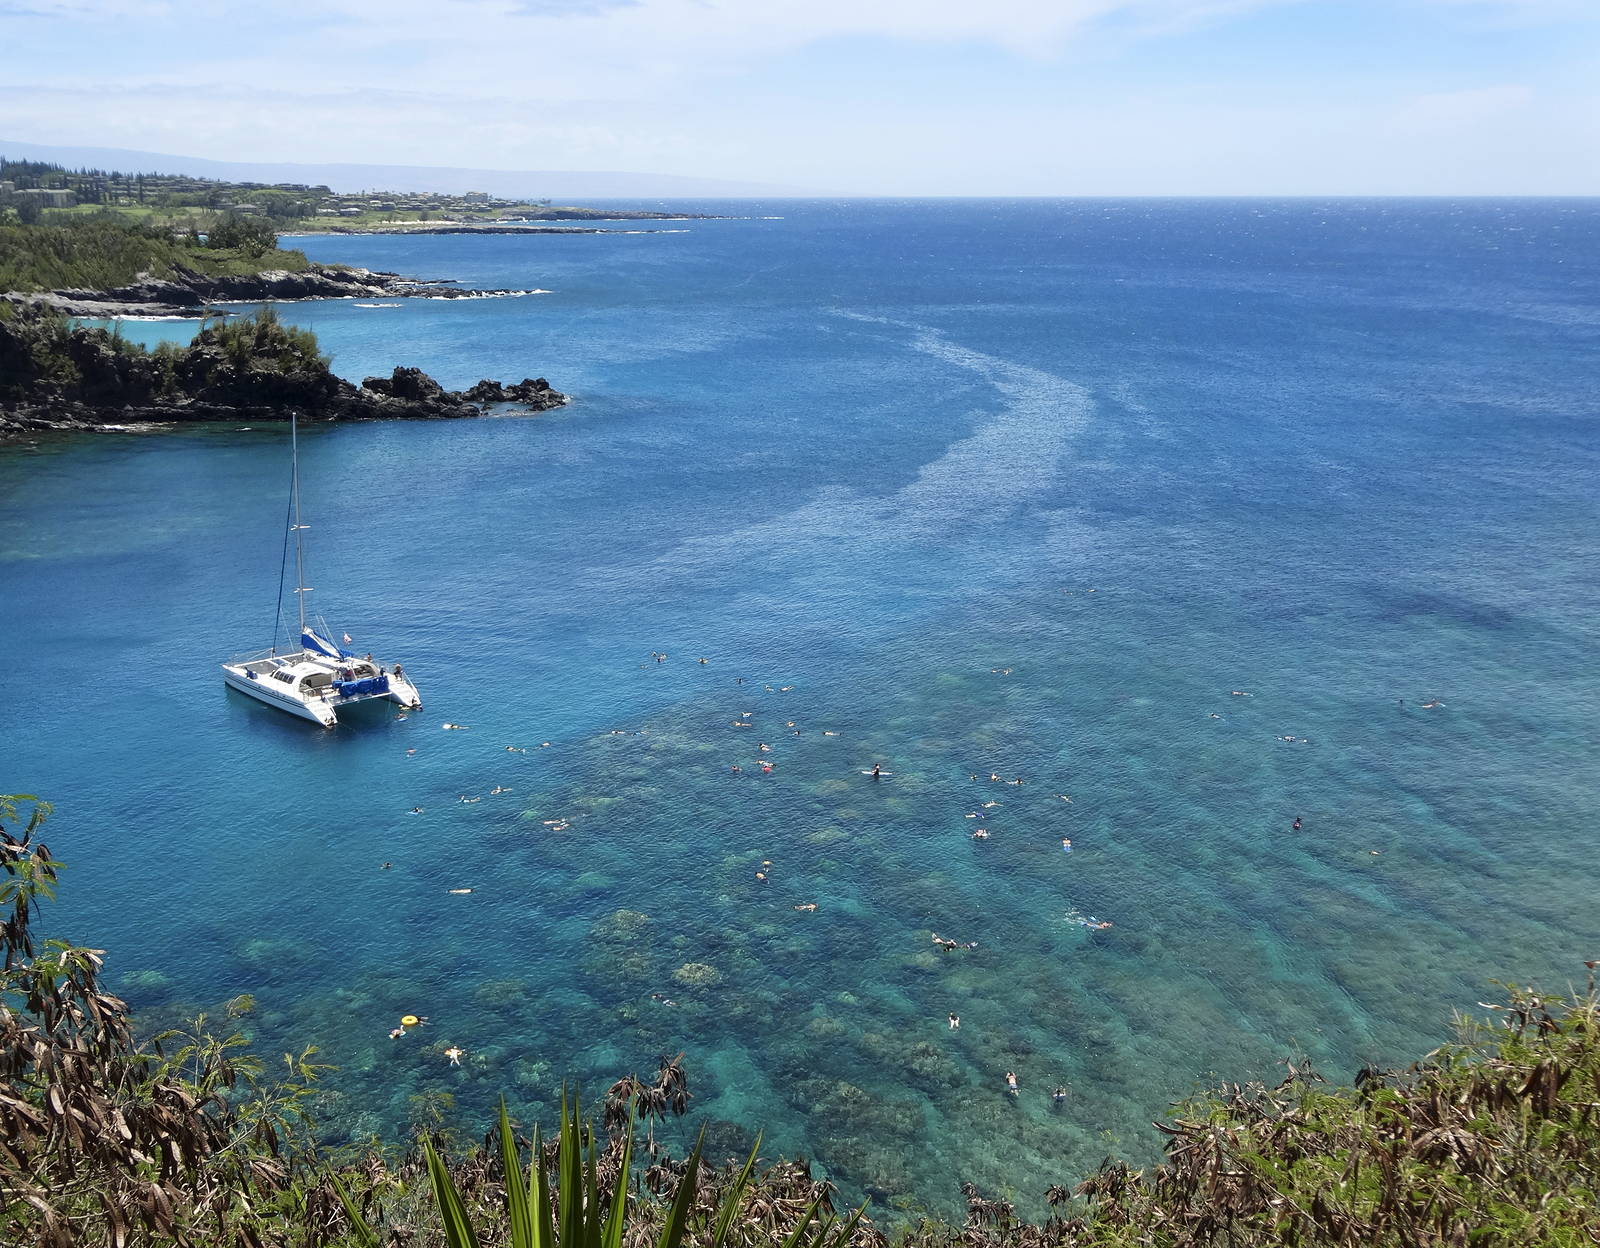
[(189, 294), (430, 227), (87, 244)]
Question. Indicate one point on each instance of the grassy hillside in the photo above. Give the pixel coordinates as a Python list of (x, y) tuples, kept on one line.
[(96, 253)]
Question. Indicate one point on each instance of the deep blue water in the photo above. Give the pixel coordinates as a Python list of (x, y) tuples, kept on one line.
[(1134, 454)]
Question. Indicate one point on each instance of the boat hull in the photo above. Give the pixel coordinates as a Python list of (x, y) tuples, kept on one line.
[(404, 692), (317, 713)]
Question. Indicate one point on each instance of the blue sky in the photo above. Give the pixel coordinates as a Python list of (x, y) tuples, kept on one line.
[(914, 97)]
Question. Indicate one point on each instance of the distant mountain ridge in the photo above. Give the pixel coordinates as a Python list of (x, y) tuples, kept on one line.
[(347, 178)]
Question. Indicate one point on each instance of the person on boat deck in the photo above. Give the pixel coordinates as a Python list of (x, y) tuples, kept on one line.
[(398, 670)]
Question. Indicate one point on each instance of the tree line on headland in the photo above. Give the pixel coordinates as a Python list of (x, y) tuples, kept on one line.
[(101, 253), (111, 1138), (54, 374), (163, 260)]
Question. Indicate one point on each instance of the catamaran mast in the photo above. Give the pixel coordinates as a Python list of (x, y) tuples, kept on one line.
[(301, 588)]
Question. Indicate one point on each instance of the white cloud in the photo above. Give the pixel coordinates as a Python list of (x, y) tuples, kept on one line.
[(1526, 10), (284, 125), (788, 91), (621, 42), (85, 10), (1455, 110), (549, 66)]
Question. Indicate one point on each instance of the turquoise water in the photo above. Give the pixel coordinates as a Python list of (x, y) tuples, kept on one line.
[(1140, 453)]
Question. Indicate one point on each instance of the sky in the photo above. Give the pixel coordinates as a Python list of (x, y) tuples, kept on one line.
[(871, 97)]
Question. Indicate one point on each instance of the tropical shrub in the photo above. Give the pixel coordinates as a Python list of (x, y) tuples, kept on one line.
[(251, 235), (107, 251), (108, 1140)]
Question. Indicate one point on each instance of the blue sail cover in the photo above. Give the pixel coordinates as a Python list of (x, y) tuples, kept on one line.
[(320, 645), (368, 686)]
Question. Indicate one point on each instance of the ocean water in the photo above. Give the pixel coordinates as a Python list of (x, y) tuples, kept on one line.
[(967, 488)]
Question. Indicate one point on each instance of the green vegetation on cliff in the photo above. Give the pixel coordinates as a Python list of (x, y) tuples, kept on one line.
[(54, 374), (247, 360), (108, 1139), (104, 252)]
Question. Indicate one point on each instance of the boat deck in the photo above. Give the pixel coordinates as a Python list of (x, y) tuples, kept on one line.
[(311, 683)]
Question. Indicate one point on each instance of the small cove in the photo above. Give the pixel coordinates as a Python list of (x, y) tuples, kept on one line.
[(1140, 453)]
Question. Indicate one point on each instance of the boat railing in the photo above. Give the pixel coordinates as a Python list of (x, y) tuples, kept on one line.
[(255, 656), (277, 657)]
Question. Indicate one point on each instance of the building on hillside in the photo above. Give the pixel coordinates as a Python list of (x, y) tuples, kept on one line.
[(51, 198)]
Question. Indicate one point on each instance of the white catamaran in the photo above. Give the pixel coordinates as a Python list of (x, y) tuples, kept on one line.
[(313, 681)]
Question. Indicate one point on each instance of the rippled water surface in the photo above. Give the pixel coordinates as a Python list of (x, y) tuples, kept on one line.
[(961, 488)]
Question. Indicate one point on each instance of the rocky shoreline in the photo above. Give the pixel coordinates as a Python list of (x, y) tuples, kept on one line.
[(401, 227), (409, 394), (507, 223), (252, 370), (189, 293), (610, 214)]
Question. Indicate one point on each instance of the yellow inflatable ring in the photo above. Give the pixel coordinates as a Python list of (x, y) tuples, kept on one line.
[(410, 1020)]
